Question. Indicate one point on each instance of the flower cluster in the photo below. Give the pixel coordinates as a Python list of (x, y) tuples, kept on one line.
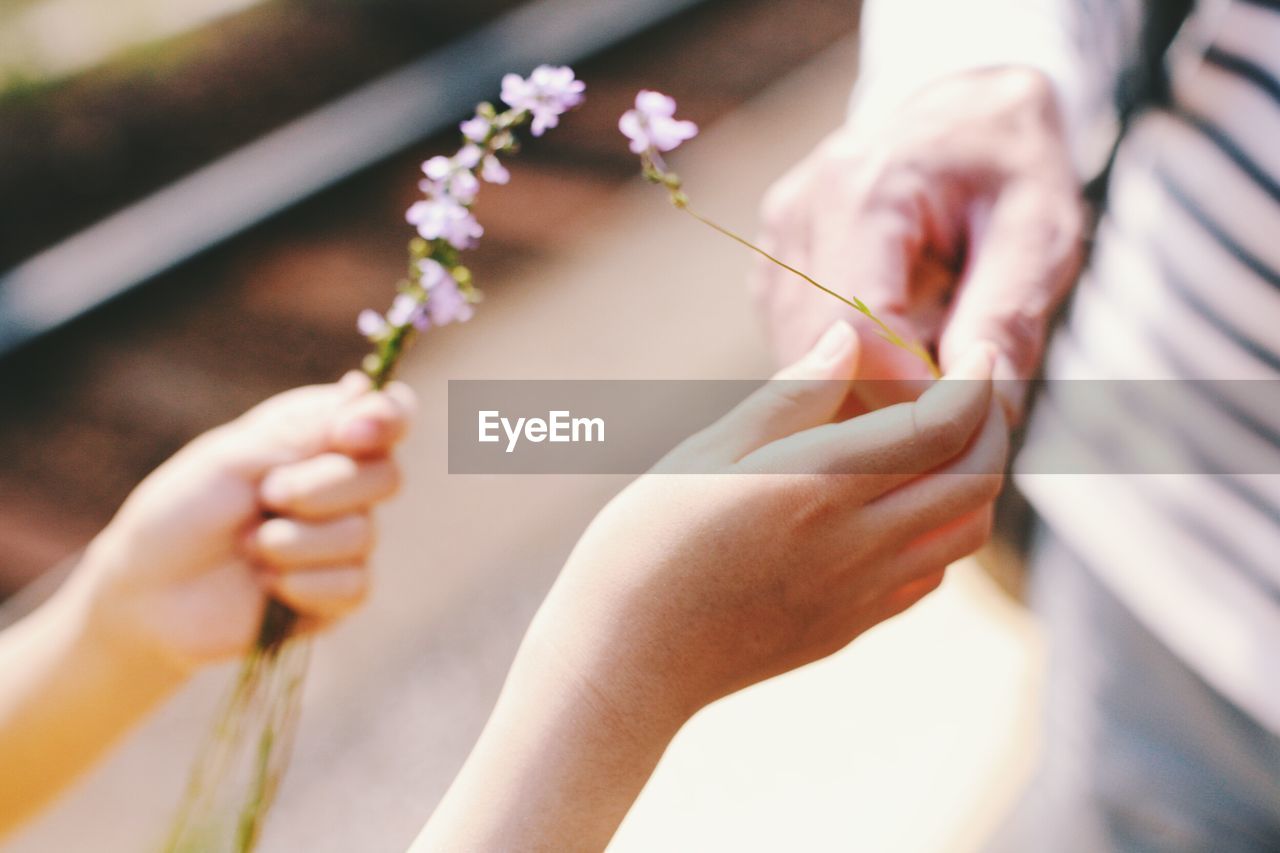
[(439, 289), (653, 129), (548, 94)]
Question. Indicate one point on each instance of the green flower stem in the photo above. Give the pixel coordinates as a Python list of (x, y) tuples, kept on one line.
[(655, 171), (855, 303), (381, 365)]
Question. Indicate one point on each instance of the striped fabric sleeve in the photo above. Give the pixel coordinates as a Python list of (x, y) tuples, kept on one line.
[(1080, 45)]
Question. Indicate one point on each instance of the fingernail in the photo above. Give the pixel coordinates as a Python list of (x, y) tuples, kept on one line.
[(833, 345)]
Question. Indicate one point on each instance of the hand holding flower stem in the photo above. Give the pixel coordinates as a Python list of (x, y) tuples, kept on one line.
[(438, 289), (654, 130), (236, 775)]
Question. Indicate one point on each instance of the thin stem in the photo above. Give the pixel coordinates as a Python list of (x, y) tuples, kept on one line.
[(855, 303), (388, 357)]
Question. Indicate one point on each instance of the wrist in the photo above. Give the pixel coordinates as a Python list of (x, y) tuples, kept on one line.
[(567, 750), (105, 615), (611, 678)]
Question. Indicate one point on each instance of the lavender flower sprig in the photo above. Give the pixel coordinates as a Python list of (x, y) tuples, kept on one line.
[(654, 130), (439, 290), (238, 772)]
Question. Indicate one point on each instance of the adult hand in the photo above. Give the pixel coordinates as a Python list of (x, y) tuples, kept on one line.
[(958, 222)]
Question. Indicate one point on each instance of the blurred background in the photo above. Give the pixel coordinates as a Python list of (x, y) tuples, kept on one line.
[(197, 197)]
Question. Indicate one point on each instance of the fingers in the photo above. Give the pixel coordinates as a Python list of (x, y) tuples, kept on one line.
[(321, 454), (1026, 256), (372, 424), (317, 569), (321, 594), (801, 396), (910, 593), (345, 416), (938, 549), (328, 485), (894, 445), (286, 544), (881, 226), (957, 489)]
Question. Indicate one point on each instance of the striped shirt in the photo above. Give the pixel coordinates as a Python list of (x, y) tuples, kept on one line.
[(1183, 284)]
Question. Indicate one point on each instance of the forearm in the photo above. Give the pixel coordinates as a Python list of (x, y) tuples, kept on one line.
[(559, 763), (66, 695)]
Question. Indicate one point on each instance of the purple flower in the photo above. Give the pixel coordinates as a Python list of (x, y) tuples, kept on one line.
[(548, 93), (431, 273), (443, 217), (476, 129), (438, 169), (494, 172), (371, 324), (652, 125), (406, 311), (446, 304), (452, 176), (468, 157)]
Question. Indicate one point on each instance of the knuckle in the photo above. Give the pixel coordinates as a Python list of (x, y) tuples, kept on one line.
[(887, 187), (818, 504)]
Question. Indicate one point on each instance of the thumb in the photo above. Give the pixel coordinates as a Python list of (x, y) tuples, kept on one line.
[(801, 396), (371, 424), (298, 424)]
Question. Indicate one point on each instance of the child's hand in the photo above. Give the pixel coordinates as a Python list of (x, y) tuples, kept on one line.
[(779, 556), (687, 588), (276, 503)]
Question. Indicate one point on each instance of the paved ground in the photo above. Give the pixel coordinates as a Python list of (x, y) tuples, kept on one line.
[(912, 740), (88, 412)]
